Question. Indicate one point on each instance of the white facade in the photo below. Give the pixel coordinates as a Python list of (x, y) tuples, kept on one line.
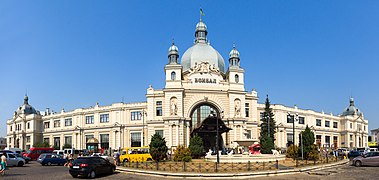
[(194, 88)]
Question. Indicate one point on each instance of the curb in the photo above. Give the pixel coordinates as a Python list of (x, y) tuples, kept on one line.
[(229, 175)]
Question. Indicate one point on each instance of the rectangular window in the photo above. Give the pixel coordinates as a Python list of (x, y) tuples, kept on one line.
[(136, 115), (10, 140), (351, 137), (318, 140), (57, 142), (290, 118), (104, 141), (10, 127), (159, 108), (57, 123), (28, 125), (351, 125), (68, 140), (28, 139), (327, 123), (46, 140), (46, 125), (160, 132), (327, 140), (335, 125), (247, 109), (301, 120), (248, 135), (68, 122), (289, 139), (104, 118), (261, 115), (89, 120), (135, 139), (318, 122)]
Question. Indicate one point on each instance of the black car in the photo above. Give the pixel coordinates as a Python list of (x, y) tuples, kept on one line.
[(90, 167), (353, 154)]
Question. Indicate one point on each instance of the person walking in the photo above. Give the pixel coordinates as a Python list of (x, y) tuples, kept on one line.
[(3, 163), (116, 157)]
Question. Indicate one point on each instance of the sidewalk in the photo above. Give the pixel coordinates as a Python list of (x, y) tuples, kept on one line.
[(189, 175)]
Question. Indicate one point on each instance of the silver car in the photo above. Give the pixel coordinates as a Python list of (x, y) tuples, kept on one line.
[(13, 160), (368, 159)]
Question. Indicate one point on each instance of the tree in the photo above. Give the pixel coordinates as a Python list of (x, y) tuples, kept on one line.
[(158, 148), (196, 147), (313, 154), (291, 151), (41, 144), (182, 154), (268, 129), (307, 141)]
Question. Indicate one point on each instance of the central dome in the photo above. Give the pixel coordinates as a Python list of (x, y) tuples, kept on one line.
[(202, 51)]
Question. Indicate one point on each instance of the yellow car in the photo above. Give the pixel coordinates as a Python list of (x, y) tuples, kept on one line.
[(135, 154)]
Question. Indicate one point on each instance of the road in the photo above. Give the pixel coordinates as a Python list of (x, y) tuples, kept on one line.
[(34, 171)]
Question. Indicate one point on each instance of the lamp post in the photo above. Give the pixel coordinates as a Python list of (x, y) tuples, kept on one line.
[(294, 118), (218, 156), (143, 127)]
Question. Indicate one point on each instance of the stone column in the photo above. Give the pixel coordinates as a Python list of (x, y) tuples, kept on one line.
[(177, 135), (188, 134)]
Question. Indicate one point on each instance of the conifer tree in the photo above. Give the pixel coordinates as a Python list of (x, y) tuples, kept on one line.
[(158, 148), (196, 147), (268, 129)]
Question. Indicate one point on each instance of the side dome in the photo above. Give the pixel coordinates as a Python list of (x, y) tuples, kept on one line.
[(26, 108), (351, 110), (202, 52)]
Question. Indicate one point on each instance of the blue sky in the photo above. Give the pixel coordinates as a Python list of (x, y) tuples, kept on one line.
[(72, 54)]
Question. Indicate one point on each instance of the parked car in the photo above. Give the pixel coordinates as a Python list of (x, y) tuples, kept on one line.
[(368, 159), (15, 150), (352, 154), (27, 159), (59, 152), (35, 152), (13, 160), (90, 167), (50, 159)]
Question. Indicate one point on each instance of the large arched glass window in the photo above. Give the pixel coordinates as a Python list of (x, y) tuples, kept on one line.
[(236, 77), (173, 76), (201, 112)]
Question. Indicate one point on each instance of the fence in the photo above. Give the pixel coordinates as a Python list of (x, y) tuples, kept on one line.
[(212, 167)]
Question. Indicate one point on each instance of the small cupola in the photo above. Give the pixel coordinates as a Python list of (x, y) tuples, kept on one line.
[(173, 54), (234, 57)]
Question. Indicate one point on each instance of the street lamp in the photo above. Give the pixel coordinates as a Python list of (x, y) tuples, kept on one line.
[(294, 118), (143, 127)]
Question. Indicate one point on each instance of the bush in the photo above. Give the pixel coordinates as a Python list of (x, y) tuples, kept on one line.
[(313, 155), (182, 154), (196, 147), (291, 151), (158, 148), (67, 146), (41, 144)]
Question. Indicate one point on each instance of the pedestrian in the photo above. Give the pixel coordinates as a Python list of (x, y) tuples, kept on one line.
[(116, 157), (3, 163)]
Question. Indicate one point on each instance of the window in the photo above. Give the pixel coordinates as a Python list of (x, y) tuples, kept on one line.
[(68, 122), (57, 123), (104, 118), (46, 125), (11, 156), (135, 139), (248, 134), (28, 125), (89, 137), (327, 140), (261, 115), (327, 123), (364, 128), (159, 108), (136, 115), (301, 120), (290, 118), (246, 109), (57, 142), (351, 137), (89, 120), (104, 141), (351, 125), (46, 140), (318, 140), (289, 139), (10, 140), (335, 125), (11, 127), (236, 77), (68, 140), (173, 76), (318, 122), (28, 139), (160, 132)]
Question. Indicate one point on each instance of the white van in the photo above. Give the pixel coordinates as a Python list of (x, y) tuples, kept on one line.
[(74, 152), (15, 150), (59, 152)]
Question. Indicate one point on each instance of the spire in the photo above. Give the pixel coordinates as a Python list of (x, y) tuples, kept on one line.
[(201, 30), (173, 53), (26, 99), (351, 101), (234, 57)]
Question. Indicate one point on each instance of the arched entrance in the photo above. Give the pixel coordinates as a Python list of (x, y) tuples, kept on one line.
[(204, 120)]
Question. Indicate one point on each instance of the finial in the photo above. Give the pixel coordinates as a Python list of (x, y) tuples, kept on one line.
[(173, 42), (234, 45), (201, 13)]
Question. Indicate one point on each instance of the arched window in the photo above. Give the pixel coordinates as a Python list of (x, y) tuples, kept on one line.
[(236, 78), (201, 112), (173, 76)]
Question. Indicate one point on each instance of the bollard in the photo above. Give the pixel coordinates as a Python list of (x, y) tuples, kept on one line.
[(248, 166), (137, 164), (157, 166), (216, 167), (184, 166), (277, 164)]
